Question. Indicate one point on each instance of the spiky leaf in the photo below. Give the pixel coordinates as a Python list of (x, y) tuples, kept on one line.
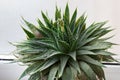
[(64, 48)]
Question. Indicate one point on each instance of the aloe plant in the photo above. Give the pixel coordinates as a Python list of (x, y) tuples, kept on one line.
[(64, 48)]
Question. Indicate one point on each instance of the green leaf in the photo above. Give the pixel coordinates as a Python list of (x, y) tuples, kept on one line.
[(68, 33), (74, 72), (42, 32), (72, 55), (54, 53), (38, 67), (57, 14), (104, 32), (80, 26), (42, 29), (73, 19), (98, 45), (30, 25), (88, 71), (52, 72), (91, 61), (35, 76), (106, 38), (101, 32), (85, 52), (47, 21), (29, 34), (31, 69), (98, 71), (83, 32), (30, 51), (73, 45), (35, 44), (67, 15), (82, 43), (90, 30), (108, 58), (70, 36), (68, 74), (101, 52), (75, 65), (47, 31), (47, 44), (47, 64), (40, 23), (63, 46), (56, 43), (63, 62), (41, 56)]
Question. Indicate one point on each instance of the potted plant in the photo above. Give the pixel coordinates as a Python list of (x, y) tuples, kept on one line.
[(64, 48)]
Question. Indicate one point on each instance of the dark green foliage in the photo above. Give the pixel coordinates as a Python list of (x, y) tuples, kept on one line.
[(66, 49)]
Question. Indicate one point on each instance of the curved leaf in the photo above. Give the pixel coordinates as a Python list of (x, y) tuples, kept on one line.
[(47, 21), (47, 64), (91, 61), (99, 72), (88, 71), (68, 74), (67, 15), (31, 69), (29, 34), (30, 25), (35, 76), (73, 19), (72, 55), (98, 45), (52, 73), (63, 62), (75, 65), (102, 52), (57, 14), (85, 52)]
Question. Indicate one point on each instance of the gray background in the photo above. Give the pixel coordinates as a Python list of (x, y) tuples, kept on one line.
[(10, 21)]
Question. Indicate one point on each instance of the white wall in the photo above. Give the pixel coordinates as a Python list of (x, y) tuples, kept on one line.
[(10, 30)]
